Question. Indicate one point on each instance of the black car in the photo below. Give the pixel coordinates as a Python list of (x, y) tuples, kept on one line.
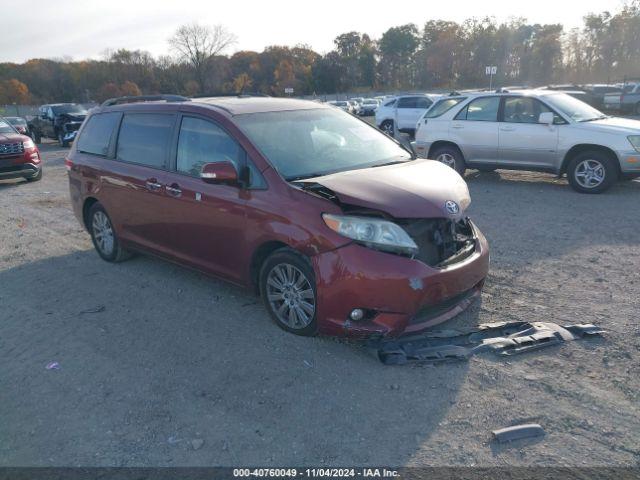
[(60, 121)]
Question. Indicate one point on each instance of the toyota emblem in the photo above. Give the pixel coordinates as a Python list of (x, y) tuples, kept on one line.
[(452, 207)]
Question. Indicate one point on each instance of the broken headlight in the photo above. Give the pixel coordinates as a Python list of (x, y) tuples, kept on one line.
[(372, 232)]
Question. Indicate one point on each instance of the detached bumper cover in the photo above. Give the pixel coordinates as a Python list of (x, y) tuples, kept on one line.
[(503, 338)]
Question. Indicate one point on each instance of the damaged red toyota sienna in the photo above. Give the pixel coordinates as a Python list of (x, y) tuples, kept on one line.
[(341, 229)]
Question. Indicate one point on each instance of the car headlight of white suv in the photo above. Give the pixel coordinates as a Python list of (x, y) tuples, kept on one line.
[(635, 141)]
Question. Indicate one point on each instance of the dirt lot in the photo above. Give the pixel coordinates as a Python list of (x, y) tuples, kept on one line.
[(163, 366)]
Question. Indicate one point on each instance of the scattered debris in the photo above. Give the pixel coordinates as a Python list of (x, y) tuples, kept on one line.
[(172, 440), (517, 432), (197, 443), (98, 309), (52, 366), (307, 363), (504, 338)]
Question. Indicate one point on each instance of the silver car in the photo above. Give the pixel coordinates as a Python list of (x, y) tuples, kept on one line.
[(534, 130)]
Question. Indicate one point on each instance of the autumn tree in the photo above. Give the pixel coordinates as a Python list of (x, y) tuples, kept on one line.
[(197, 45)]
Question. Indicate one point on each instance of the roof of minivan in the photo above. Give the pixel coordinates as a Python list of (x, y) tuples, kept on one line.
[(241, 105)]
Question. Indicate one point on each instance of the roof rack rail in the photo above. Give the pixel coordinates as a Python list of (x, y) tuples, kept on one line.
[(239, 95), (454, 93), (144, 98), (502, 90)]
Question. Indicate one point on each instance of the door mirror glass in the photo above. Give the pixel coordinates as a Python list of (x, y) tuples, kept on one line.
[(219, 172), (546, 118)]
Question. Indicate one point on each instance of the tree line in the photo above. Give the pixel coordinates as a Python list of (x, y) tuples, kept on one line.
[(439, 55)]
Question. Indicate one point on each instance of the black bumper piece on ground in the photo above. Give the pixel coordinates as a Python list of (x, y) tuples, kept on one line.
[(504, 338)]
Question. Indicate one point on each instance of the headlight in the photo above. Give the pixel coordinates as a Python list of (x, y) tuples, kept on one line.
[(372, 232), (635, 141), (28, 144)]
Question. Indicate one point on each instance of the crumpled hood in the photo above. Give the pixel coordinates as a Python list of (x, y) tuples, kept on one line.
[(615, 125), (73, 117), (415, 189)]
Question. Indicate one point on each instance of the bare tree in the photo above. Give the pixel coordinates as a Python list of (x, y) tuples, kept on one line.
[(197, 44)]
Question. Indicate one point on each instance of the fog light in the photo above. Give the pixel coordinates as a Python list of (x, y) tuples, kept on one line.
[(356, 314)]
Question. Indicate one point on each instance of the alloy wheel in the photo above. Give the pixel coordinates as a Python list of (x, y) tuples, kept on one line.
[(291, 296), (447, 159), (103, 233), (589, 173)]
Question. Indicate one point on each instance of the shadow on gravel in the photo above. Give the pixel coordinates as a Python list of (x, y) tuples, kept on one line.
[(153, 356)]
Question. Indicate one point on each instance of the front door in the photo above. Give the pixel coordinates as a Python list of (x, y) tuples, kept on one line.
[(408, 113), (206, 221), (524, 141)]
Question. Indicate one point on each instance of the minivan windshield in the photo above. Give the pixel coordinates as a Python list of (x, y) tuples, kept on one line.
[(309, 143), (75, 109), (575, 109)]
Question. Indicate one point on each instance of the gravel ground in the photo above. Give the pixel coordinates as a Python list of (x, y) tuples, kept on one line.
[(159, 365)]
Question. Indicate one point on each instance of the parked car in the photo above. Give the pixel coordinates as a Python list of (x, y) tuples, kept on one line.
[(342, 105), (20, 124), (341, 229), (368, 107), (531, 130), (598, 92), (59, 121), (402, 113), (355, 106), (614, 100), (19, 157)]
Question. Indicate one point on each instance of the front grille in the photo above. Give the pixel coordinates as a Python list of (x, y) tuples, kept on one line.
[(72, 126), (441, 241), (429, 312), (11, 149)]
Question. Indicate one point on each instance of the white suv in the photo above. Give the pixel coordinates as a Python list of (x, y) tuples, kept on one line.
[(536, 130), (401, 113)]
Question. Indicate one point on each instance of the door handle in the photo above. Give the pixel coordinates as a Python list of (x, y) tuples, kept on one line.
[(173, 190), (507, 129), (457, 126), (153, 185)]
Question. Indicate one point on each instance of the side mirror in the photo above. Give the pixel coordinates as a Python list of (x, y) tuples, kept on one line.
[(219, 172), (546, 118)]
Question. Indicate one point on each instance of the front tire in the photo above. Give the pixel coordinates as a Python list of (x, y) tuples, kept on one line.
[(104, 237), (35, 178), (61, 140), (450, 156), (288, 290), (591, 172)]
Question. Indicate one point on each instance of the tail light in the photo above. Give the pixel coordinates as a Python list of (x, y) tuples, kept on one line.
[(68, 164)]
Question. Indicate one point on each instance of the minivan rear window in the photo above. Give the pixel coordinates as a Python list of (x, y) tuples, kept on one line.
[(144, 138), (96, 134)]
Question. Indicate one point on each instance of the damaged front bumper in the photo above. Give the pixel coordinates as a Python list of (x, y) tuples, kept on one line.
[(399, 295), (504, 338)]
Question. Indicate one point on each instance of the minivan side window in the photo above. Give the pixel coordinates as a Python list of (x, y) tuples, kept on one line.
[(483, 109), (96, 134), (203, 142), (144, 138)]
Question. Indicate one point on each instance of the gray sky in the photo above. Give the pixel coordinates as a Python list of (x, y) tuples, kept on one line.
[(85, 28)]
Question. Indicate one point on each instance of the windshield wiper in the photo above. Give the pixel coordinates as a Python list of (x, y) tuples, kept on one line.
[(391, 163), (297, 178)]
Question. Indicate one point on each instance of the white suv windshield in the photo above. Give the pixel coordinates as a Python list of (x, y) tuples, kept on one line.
[(575, 109), (309, 143)]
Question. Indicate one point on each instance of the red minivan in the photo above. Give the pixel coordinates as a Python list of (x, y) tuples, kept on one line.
[(341, 229)]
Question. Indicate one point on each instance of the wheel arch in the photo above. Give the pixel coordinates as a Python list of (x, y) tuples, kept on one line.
[(587, 147), (444, 143), (86, 206), (260, 254)]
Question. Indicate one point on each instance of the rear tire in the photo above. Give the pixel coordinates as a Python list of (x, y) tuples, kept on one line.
[(450, 156), (288, 290), (592, 172), (387, 127), (104, 237)]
